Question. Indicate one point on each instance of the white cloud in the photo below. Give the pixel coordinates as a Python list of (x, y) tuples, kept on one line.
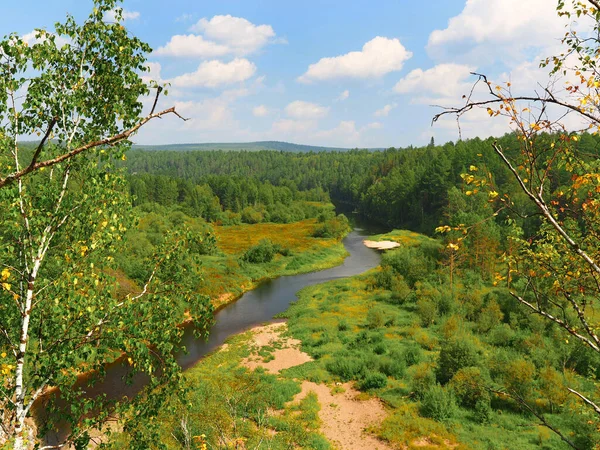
[(373, 126), (444, 79), (385, 111), (344, 95), (216, 73), (111, 16), (191, 46), (260, 111), (209, 114), (378, 57), (31, 39), (240, 35), (345, 133), (500, 29), (291, 126), (306, 110)]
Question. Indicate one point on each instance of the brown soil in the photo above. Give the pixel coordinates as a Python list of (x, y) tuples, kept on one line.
[(289, 355), (344, 417)]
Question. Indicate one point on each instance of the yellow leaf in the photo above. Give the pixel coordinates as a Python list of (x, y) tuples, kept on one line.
[(5, 274)]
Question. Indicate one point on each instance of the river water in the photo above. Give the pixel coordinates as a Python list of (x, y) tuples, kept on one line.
[(253, 308)]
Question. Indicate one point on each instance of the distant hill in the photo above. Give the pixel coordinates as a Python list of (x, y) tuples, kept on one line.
[(237, 146)]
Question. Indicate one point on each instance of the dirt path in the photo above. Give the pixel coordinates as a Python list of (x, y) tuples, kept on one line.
[(344, 418)]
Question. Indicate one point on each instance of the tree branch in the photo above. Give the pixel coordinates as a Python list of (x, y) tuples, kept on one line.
[(107, 141), (558, 321), (586, 400)]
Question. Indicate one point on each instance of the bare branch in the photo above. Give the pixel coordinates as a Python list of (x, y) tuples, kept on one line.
[(558, 321), (39, 148), (586, 400), (107, 141)]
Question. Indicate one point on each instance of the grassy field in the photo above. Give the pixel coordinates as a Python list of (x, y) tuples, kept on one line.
[(226, 276)]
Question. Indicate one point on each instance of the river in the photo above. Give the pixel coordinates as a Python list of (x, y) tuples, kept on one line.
[(253, 308)]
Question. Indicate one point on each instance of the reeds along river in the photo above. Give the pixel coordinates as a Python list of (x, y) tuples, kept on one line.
[(253, 308)]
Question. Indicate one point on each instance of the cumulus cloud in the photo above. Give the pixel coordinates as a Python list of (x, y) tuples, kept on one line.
[(305, 110), (378, 57), (239, 34), (191, 46), (385, 111), (260, 111), (111, 16), (501, 29), (219, 36), (216, 73)]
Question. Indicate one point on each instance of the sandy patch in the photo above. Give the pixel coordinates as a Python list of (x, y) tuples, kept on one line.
[(286, 355), (381, 245), (345, 418)]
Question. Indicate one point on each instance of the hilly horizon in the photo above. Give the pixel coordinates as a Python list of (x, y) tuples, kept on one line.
[(238, 146)]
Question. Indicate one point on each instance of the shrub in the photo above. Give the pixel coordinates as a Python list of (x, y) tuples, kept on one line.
[(375, 318), (263, 252), (392, 367), (427, 311), (413, 355), (347, 368), (423, 377), (483, 411), (455, 354), (343, 325), (438, 404), (469, 386), (373, 380), (335, 227)]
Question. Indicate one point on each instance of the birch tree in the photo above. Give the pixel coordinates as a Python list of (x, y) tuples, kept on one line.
[(63, 210)]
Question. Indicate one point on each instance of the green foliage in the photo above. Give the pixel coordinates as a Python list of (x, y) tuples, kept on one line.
[(438, 403), (373, 380), (335, 227), (263, 252), (455, 354)]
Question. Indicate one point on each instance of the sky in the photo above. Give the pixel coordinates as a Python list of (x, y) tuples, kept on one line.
[(324, 72)]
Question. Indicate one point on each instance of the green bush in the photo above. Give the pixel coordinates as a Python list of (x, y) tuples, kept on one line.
[(438, 404), (483, 411), (392, 367), (347, 368), (373, 380), (413, 355), (427, 311), (469, 386), (422, 378), (263, 252), (335, 227), (375, 318), (456, 353), (343, 325)]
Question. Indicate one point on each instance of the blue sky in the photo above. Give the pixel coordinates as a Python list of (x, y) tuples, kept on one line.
[(338, 73)]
